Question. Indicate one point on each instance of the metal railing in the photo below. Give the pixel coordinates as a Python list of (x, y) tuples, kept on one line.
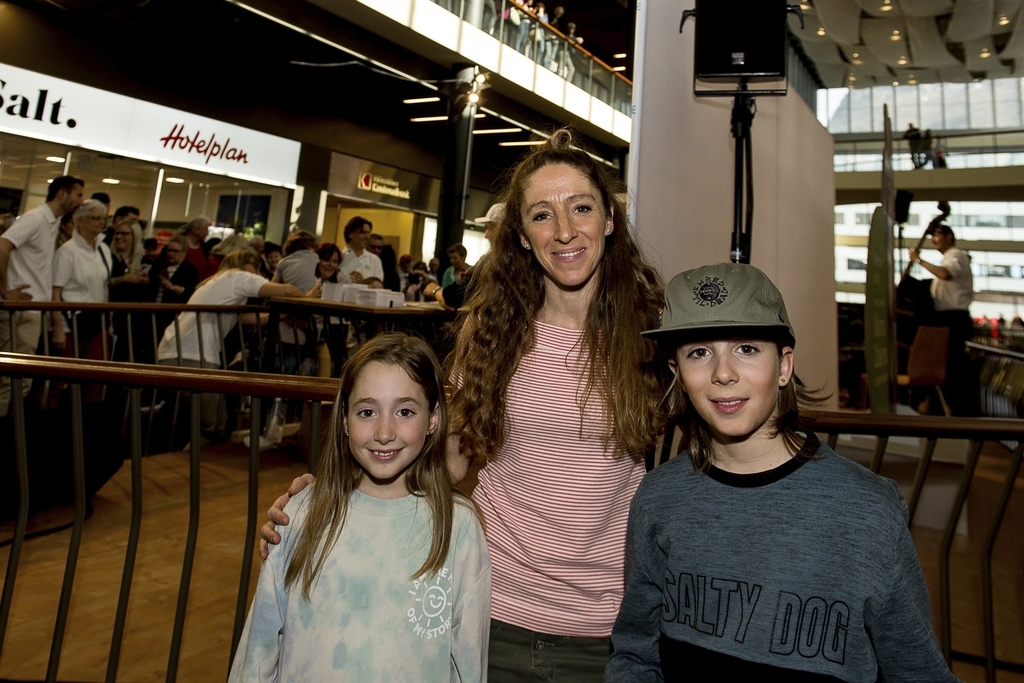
[(974, 149), (931, 430), (78, 372), (520, 29)]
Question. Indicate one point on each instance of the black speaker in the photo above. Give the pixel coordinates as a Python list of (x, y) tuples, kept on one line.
[(903, 199), (740, 39)]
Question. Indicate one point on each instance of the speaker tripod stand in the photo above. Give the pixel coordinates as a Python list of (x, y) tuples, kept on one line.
[(744, 106)]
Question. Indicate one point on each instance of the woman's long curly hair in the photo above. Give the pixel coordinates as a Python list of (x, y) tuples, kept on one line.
[(338, 474), (496, 329)]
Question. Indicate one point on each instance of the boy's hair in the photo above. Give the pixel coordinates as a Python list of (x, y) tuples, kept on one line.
[(457, 249), (355, 224), (338, 474), (300, 240), (723, 301)]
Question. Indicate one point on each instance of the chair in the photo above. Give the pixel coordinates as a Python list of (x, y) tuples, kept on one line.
[(926, 366)]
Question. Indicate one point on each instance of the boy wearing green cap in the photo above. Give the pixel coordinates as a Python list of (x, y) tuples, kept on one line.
[(764, 555)]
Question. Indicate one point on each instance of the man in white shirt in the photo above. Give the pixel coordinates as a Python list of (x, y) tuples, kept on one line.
[(357, 262), (26, 269), (953, 291)]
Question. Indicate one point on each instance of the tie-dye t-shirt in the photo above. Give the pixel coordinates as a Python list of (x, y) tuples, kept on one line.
[(365, 620)]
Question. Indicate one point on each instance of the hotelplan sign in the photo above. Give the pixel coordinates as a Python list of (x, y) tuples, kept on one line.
[(67, 113)]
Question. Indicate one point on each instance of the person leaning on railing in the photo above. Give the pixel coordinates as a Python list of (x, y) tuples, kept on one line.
[(237, 280)]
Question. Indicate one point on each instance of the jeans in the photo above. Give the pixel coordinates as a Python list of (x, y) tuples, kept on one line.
[(517, 654)]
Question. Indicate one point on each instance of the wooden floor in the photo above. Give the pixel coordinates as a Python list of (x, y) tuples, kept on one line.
[(208, 627)]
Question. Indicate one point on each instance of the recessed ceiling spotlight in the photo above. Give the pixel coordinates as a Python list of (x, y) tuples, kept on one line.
[(912, 82), (495, 131), (856, 54), (985, 54), (902, 60), (421, 100), (620, 55), (111, 181), (857, 62), (174, 180), (886, 6), (895, 82), (473, 97), (895, 34), (821, 30), (521, 143), (805, 6), (1004, 20), (56, 160), (481, 78)]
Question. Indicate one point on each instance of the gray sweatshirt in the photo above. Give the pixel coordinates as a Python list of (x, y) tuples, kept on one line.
[(806, 572)]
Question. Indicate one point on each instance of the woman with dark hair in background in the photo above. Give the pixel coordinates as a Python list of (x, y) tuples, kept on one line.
[(330, 261)]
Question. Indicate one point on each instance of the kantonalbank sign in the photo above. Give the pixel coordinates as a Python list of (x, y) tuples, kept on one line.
[(372, 182), (47, 108)]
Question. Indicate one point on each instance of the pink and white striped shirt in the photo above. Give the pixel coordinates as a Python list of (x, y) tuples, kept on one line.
[(555, 500)]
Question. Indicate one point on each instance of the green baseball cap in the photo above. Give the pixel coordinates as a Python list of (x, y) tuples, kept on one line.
[(722, 298)]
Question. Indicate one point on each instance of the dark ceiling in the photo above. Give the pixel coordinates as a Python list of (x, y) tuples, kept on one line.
[(242, 68)]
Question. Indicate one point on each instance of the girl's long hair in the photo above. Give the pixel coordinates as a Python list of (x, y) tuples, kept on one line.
[(338, 474), (497, 328)]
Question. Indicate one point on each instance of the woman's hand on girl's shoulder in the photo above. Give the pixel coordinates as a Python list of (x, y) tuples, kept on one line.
[(276, 515)]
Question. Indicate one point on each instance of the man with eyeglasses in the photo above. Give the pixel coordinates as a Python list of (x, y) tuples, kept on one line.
[(26, 269)]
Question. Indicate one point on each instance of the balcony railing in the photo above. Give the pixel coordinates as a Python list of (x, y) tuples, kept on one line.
[(520, 29), (990, 149)]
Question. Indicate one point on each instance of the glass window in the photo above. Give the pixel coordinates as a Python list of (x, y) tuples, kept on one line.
[(907, 111), (860, 110), (954, 96), (1007, 97), (840, 121), (931, 105), (840, 218), (863, 219), (979, 99), (883, 94)]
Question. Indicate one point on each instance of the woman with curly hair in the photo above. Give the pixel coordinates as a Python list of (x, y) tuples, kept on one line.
[(554, 386)]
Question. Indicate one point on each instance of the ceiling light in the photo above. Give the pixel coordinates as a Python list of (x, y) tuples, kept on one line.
[(495, 131), (856, 54), (985, 53), (174, 180), (886, 7), (473, 97), (620, 55), (618, 68), (421, 100), (857, 62), (821, 30), (481, 78), (425, 119), (901, 61), (912, 82), (1004, 20), (479, 116), (56, 160), (521, 143), (805, 6), (895, 82), (895, 35), (111, 181)]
